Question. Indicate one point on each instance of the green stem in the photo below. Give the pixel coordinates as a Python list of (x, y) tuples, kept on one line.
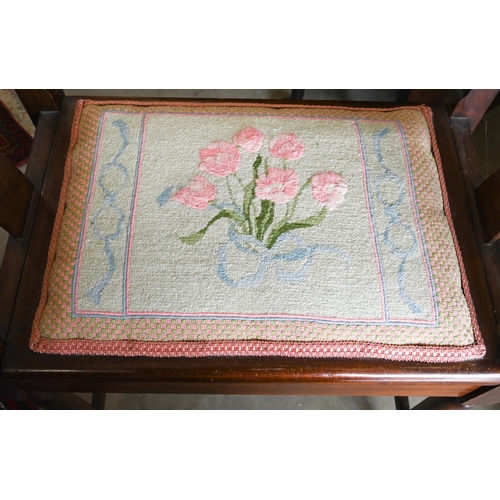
[(290, 211), (295, 201), (249, 193), (239, 180), (284, 227), (265, 219), (233, 199), (195, 237)]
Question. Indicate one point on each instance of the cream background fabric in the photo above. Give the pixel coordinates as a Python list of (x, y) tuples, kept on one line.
[(166, 276)]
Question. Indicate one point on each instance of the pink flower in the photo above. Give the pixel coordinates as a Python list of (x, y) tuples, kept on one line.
[(277, 185), (197, 194), (329, 189), (249, 139), (220, 159), (286, 146)]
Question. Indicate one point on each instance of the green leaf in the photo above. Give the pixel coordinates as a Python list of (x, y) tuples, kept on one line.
[(195, 237), (249, 192), (281, 228), (248, 196), (256, 165), (265, 218)]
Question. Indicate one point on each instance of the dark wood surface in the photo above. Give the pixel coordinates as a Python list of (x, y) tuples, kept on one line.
[(36, 101), (474, 106), (458, 163), (402, 403), (488, 204), (12, 264), (441, 404), (484, 396), (472, 177), (426, 96), (297, 94), (247, 375), (15, 192)]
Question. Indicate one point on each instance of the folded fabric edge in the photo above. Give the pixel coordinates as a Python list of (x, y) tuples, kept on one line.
[(427, 112), (252, 348), (421, 353)]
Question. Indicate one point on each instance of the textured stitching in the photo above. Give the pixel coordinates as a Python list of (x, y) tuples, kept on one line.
[(192, 336)]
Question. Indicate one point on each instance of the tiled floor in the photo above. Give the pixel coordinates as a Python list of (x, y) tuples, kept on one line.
[(488, 151), (224, 402)]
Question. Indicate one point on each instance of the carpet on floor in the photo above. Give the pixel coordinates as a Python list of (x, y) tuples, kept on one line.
[(15, 142)]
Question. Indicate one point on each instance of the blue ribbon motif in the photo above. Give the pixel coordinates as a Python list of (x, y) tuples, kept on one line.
[(164, 197), (110, 191), (391, 210), (250, 245)]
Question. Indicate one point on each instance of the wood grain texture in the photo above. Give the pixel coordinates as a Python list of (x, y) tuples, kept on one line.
[(474, 106), (36, 101)]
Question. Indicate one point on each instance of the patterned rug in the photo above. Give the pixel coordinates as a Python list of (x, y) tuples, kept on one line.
[(10, 404), (12, 400), (241, 229), (15, 142)]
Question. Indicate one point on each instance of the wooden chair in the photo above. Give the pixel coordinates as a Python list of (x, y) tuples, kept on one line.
[(28, 208)]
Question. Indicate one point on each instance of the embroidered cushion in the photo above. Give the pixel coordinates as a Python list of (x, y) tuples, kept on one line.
[(188, 229)]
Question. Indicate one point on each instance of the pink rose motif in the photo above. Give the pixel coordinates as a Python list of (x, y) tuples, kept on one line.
[(286, 146), (329, 189), (277, 185), (249, 139), (197, 194), (220, 159)]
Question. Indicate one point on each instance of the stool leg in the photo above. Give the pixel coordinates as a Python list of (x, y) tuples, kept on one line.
[(98, 400), (297, 94), (402, 403), (442, 404)]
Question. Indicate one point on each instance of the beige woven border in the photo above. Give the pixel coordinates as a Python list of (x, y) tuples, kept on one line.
[(339, 349)]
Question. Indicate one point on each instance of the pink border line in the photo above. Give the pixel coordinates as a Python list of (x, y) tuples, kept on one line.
[(86, 219), (227, 315), (132, 218), (370, 221), (416, 222), (278, 316), (257, 348)]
